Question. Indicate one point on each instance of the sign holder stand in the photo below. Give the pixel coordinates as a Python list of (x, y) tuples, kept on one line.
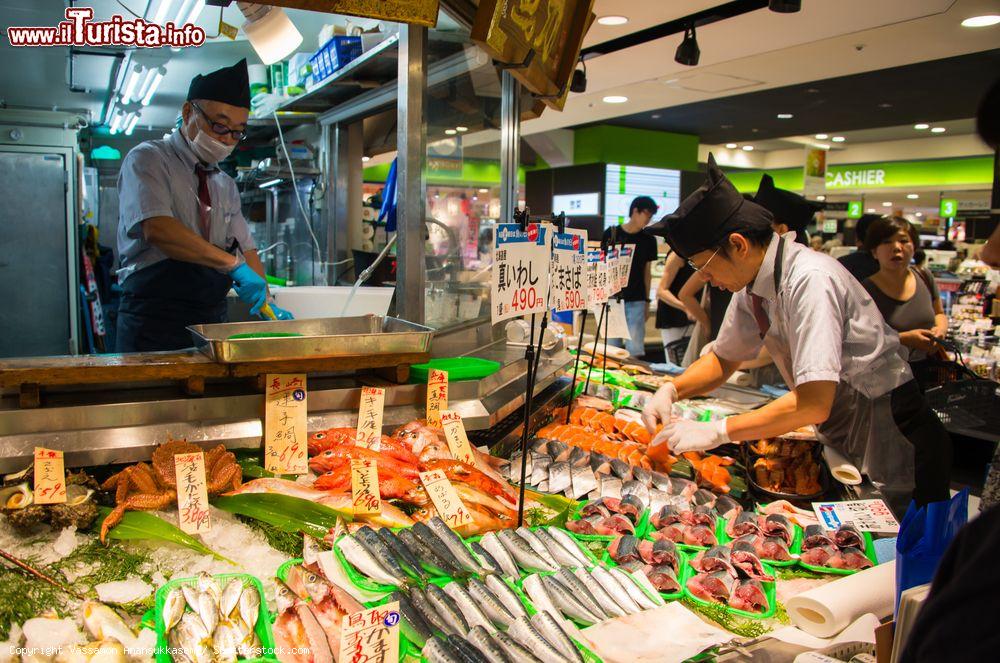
[(576, 365)]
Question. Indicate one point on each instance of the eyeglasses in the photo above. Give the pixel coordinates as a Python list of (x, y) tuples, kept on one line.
[(220, 129), (697, 268)]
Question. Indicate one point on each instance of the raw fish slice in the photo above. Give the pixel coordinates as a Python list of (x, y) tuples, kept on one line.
[(630, 506), (600, 463), (667, 515), (704, 497), (749, 565), (579, 458), (848, 536), (663, 577), (616, 523), (621, 469), (658, 499), (587, 525), (583, 481), (539, 468), (611, 487), (749, 595), (850, 558), (560, 479), (559, 451), (683, 487), (540, 445), (673, 532), (699, 535), (633, 566), (514, 469), (727, 507), (818, 555), (716, 558), (660, 481), (778, 525), (715, 587), (643, 476), (744, 523), (598, 507), (636, 488), (774, 548), (815, 537), (543, 486), (661, 551), (699, 515), (625, 548)]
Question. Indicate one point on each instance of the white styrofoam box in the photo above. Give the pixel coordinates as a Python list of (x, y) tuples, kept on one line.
[(305, 302)]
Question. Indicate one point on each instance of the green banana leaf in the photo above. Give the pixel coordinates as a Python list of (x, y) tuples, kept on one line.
[(144, 526), (287, 513), (252, 469)]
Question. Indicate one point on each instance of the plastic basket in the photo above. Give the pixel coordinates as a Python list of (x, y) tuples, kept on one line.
[(458, 368), (967, 403), (770, 591), (683, 572), (262, 628), (333, 55), (795, 548), (869, 553)]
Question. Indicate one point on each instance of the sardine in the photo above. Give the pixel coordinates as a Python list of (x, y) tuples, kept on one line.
[(474, 615), (173, 608), (549, 627), (230, 597), (431, 617), (514, 649), (528, 635), (492, 544), (454, 544), (413, 625), (487, 646), (466, 650), (486, 561), (427, 536), (537, 545), (523, 553), (535, 589), (634, 591), (560, 479), (583, 481), (559, 554), (438, 651), (601, 595), (429, 560), (489, 603), (580, 592), (569, 543), (447, 609), (613, 587), (567, 603), (374, 544), (506, 596), (366, 563), (409, 562)]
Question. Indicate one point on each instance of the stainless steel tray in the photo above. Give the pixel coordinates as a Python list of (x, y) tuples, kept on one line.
[(320, 338)]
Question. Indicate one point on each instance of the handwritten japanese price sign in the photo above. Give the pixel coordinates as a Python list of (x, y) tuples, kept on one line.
[(611, 260), (371, 636), (866, 515), (567, 277), (446, 500), (285, 450), (437, 396), (50, 477), (370, 418), (597, 279), (364, 487), (458, 441), (192, 493), (624, 265), (520, 280)]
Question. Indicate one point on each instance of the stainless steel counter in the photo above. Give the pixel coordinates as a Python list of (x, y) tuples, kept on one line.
[(95, 427)]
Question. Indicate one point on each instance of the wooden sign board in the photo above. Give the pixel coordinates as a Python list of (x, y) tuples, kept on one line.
[(367, 499), (285, 438), (449, 505), (370, 418), (50, 477)]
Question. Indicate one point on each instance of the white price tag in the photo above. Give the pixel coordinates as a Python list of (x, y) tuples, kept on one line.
[(597, 279), (567, 275), (866, 515), (520, 280), (624, 265), (617, 322), (612, 260)]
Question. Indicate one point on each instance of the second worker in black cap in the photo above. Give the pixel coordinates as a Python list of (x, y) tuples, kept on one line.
[(182, 239), (841, 361)]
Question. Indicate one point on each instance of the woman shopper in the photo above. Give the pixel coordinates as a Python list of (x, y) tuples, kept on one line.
[(906, 295), (672, 318)]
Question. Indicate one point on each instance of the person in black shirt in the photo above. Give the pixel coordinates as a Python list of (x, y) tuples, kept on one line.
[(635, 294), (791, 211), (861, 264)]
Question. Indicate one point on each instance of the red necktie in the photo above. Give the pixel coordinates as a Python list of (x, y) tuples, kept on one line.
[(204, 202), (759, 314)]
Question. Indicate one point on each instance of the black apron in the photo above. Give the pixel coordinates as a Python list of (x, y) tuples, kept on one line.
[(160, 301)]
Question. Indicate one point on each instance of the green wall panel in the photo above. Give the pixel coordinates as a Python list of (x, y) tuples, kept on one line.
[(635, 147)]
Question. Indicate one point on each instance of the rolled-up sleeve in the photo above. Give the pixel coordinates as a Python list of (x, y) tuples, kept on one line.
[(739, 338), (815, 324), (238, 227), (142, 189)]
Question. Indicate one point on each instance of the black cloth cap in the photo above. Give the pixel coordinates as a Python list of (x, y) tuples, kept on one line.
[(708, 215), (230, 85), (643, 204), (787, 207)]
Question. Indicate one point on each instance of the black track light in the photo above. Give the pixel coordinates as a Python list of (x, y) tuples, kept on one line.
[(785, 6), (688, 52), (578, 83)]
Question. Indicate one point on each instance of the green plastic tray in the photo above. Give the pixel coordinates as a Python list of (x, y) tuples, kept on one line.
[(683, 572), (795, 548), (282, 572), (458, 368), (770, 591), (262, 628), (869, 553), (642, 527)]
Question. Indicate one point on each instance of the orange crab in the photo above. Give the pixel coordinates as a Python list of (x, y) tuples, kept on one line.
[(142, 487)]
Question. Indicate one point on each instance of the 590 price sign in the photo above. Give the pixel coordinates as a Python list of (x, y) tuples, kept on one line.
[(520, 280), (568, 263)]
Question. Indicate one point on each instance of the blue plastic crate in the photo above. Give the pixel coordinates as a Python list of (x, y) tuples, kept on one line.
[(334, 54)]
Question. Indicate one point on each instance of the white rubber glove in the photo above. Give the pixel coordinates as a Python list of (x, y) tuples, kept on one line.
[(659, 408), (686, 435)]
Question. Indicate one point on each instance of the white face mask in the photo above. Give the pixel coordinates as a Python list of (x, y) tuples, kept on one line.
[(209, 149)]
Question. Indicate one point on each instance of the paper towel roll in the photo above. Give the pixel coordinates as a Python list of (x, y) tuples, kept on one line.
[(257, 73), (368, 246), (368, 213), (842, 469), (830, 608), (367, 231), (739, 379)]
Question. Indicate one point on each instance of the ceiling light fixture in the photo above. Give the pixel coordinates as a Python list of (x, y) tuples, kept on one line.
[(268, 184), (921, 126), (130, 125), (116, 122), (785, 6), (823, 146), (688, 52), (920, 213), (161, 11), (461, 130), (912, 196), (193, 13), (450, 132), (366, 159), (821, 198), (838, 139), (870, 210), (131, 82), (887, 204), (153, 82), (270, 31), (822, 136), (981, 21), (613, 20), (731, 146), (937, 130), (615, 99), (785, 116), (655, 116), (484, 191), (748, 148)]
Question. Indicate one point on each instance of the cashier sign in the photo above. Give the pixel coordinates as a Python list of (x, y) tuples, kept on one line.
[(520, 280)]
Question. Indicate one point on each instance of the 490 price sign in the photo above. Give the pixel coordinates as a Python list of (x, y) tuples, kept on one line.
[(520, 281), (569, 292)]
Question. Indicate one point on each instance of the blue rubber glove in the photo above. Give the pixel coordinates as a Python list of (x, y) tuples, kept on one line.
[(281, 313), (250, 287)]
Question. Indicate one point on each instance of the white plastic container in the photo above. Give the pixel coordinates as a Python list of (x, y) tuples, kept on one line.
[(305, 302)]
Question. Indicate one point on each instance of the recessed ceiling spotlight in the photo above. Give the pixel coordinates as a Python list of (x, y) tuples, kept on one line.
[(785, 116), (366, 158), (748, 148), (822, 136), (885, 104), (823, 146), (725, 126), (886, 204), (838, 139), (937, 130), (613, 20), (812, 90), (731, 146), (920, 213), (461, 130), (981, 21), (821, 198), (615, 99), (450, 132), (912, 196), (484, 191), (921, 126), (656, 116), (870, 210)]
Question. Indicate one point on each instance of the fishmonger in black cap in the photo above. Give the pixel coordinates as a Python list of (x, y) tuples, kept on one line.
[(182, 239)]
